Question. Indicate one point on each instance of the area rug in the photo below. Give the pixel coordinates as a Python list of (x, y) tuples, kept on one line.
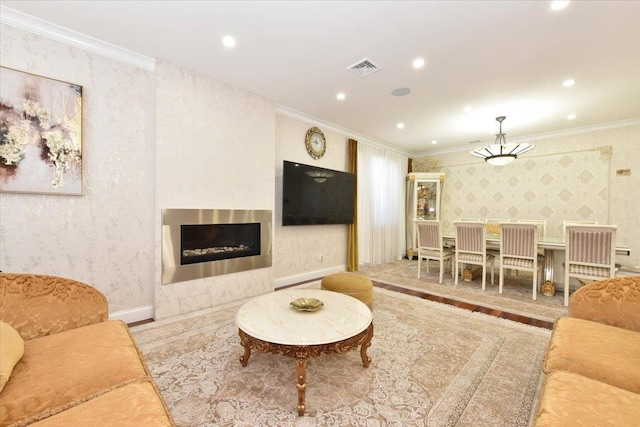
[(432, 365), (516, 295)]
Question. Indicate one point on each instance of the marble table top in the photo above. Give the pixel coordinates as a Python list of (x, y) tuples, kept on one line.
[(271, 318)]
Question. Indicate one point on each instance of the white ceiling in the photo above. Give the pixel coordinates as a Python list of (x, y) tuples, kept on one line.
[(499, 57)]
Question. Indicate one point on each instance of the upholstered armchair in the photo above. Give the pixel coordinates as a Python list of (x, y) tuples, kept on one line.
[(38, 305)]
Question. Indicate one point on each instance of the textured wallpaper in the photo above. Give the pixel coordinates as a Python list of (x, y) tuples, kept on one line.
[(151, 140), (104, 237), (215, 148), (555, 188), (566, 177), (297, 249)]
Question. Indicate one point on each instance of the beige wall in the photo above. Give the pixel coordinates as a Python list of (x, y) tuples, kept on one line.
[(167, 138), (564, 178), (214, 149), (297, 249), (104, 237)]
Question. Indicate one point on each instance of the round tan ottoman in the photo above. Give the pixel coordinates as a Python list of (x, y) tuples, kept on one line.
[(352, 284)]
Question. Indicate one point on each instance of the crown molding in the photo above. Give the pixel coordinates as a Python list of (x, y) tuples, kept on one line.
[(303, 117), (47, 29), (539, 136)]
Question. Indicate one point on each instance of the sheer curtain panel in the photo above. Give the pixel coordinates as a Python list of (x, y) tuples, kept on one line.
[(381, 200)]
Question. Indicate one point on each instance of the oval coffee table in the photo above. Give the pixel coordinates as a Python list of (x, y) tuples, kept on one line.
[(269, 324)]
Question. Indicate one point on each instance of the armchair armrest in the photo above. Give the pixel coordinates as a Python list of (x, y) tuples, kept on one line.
[(38, 305), (614, 302)]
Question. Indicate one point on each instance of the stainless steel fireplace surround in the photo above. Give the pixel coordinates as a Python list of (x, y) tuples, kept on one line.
[(188, 259)]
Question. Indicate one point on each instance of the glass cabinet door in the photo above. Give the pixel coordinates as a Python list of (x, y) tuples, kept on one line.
[(426, 200), (423, 204)]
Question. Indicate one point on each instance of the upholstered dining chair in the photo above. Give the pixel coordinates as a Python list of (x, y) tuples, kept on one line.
[(471, 248), (542, 226), (566, 223), (430, 246), (590, 254), (496, 220), (493, 227), (519, 251)]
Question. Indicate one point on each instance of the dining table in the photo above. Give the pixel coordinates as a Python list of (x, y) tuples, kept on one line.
[(549, 245)]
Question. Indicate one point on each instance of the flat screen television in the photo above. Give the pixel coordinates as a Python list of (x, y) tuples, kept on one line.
[(313, 195)]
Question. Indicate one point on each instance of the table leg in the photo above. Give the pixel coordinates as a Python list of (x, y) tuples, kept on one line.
[(366, 360), (301, 364), (548, 287), (244, 359)]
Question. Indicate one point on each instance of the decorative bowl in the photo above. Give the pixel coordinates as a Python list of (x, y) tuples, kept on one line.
[(307, 304)]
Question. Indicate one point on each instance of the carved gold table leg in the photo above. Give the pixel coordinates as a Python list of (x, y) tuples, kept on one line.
[(244, 340), (366, 360), (301, 364), (305, 352)]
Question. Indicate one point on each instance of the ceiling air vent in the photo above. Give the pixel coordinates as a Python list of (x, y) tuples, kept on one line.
[(363, 68)]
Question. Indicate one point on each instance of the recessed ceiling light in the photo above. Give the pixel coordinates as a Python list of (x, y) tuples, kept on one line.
[(418, 63), (400, 125), (434, 142), (229, 41), (341, 96), (571, 116), (568, 82), (468, 108), (559, 4)]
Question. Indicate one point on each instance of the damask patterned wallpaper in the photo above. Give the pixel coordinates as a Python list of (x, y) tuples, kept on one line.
[(555, 188), (569, 176)]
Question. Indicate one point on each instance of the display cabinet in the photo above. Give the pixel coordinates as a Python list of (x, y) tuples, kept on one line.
[(424, 191)]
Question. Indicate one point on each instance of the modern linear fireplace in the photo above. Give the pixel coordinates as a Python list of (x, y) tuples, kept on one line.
[(199, 243)]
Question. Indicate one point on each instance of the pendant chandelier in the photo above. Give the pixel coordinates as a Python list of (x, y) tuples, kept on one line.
[(500, 153)]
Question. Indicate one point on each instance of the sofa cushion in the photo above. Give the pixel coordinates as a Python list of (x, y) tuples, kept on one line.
[(573, 400), (132, 405), (11, 350), (60, 370), (591, 349)]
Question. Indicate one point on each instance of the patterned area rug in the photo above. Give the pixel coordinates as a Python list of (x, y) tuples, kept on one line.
[(432, 365), (516, 294)]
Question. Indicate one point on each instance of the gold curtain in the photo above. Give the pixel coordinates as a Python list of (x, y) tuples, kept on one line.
[(352, 244)]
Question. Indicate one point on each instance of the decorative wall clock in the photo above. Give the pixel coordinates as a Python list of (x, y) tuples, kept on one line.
[(315, 142)]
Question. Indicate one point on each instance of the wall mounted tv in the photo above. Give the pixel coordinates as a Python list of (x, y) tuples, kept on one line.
[(313, 195)]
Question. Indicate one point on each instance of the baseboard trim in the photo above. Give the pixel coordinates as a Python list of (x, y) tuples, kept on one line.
[(133, 314), (305, 277)]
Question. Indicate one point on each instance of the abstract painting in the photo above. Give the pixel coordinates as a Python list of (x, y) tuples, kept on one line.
[(40, 134)]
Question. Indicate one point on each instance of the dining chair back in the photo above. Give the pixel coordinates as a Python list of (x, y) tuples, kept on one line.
[(542, 226), (590, 254), (430, 246), (496, 220), (566, 223), (471, 248), (492, 225), (519, 251)]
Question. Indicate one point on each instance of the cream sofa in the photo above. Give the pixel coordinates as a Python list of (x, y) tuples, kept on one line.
[(592, 364), (78, 368)]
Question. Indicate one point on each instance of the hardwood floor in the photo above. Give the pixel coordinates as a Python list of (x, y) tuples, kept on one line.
[(468, 306), (424, 295)]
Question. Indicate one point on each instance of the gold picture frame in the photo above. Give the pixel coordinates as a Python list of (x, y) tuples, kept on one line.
[(40, 134)]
